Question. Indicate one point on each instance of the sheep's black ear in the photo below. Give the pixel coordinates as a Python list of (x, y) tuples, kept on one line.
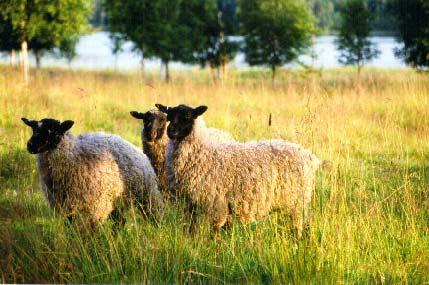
[(66, 125), (199, 111), (162, 108), (138, 115), (30, 123)]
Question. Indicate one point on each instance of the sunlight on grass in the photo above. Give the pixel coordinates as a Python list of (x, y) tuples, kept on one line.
[(370, 213)]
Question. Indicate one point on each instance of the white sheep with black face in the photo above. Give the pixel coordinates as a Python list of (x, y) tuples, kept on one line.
[(154, 140), (92, 174), (246, 180)]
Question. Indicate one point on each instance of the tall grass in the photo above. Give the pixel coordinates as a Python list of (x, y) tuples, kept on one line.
[(370, 220)]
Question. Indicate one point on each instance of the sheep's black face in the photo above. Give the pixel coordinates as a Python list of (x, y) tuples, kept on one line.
[(154, 123), (181, 118), (47, 134)]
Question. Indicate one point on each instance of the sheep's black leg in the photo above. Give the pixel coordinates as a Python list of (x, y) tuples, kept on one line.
[(70, 219), (192, 210), (118, 218)]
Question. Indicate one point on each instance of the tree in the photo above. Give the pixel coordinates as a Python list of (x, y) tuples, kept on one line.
[(117, 42), (219, 23), (9, 40), (413, 31), (44, 25), (67, 48), (353, 42), (276, 31), (170, 30), (129, 20), (63, 22), (323, 11)]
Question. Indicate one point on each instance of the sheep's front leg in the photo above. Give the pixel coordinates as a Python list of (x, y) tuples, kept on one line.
[(118, 218), (297, 223), (192, 211), (219, 215)]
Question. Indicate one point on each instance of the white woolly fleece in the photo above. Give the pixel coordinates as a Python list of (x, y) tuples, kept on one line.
[(93, 172), (248, 180), (156, 151)]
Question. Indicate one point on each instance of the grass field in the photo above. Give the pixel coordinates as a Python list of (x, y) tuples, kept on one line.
[(370, 211)]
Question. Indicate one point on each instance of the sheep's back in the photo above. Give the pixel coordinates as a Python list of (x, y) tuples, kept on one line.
[(218, 136), (254, 177), (134, 166)]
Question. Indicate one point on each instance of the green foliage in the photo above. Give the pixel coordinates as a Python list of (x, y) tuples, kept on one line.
[(67, 48), (328, 14), (171, 30), (413, 31), (228, 8), (8, 36), (323, 10), (383, 20), (218, 23), (276, 31), (355, 27), (46, 25)]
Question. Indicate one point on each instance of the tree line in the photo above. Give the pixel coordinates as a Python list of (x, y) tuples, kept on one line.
[(326, 12), (272, 32), (42, 26)]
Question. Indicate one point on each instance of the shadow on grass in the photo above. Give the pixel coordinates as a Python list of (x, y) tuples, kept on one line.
[(14, 163), (26, 207), (24, 251)]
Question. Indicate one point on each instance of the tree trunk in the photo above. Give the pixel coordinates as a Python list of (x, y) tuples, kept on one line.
[(37, 56), (25, 67), (12, 57), (20, 58), (116, 61), (142, 67), (167, 72), (358, 79), (273, 74), (223, 75)]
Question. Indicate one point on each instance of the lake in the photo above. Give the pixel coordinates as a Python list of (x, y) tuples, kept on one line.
[(94, 52)]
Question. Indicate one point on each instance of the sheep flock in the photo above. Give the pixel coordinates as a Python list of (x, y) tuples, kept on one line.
[(183, 163)]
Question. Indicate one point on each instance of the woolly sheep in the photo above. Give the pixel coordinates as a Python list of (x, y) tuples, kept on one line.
[(93, 174), (154, 141), (247, 180)]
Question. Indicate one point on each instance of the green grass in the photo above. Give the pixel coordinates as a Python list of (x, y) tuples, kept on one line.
[(370, 219)]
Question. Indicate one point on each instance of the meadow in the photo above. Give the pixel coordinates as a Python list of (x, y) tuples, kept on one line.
[(370, 221)]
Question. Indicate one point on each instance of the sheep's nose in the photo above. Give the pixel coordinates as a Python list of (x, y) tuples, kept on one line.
[(30, 147), (170, 133), (154, 133)]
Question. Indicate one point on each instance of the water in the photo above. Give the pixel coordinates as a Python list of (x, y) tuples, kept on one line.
[(94, 52)]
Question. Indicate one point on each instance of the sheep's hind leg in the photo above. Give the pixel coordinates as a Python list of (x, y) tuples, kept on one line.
[(298, 224), (193, 223), (219, 216), (118, 218)]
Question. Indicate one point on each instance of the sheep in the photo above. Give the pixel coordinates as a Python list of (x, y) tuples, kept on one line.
[(94, 174), (154, 141), (246, 180)]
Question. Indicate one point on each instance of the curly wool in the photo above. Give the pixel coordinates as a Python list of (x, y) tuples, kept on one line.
[(156, 151), (247, 180), (94, 172)]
